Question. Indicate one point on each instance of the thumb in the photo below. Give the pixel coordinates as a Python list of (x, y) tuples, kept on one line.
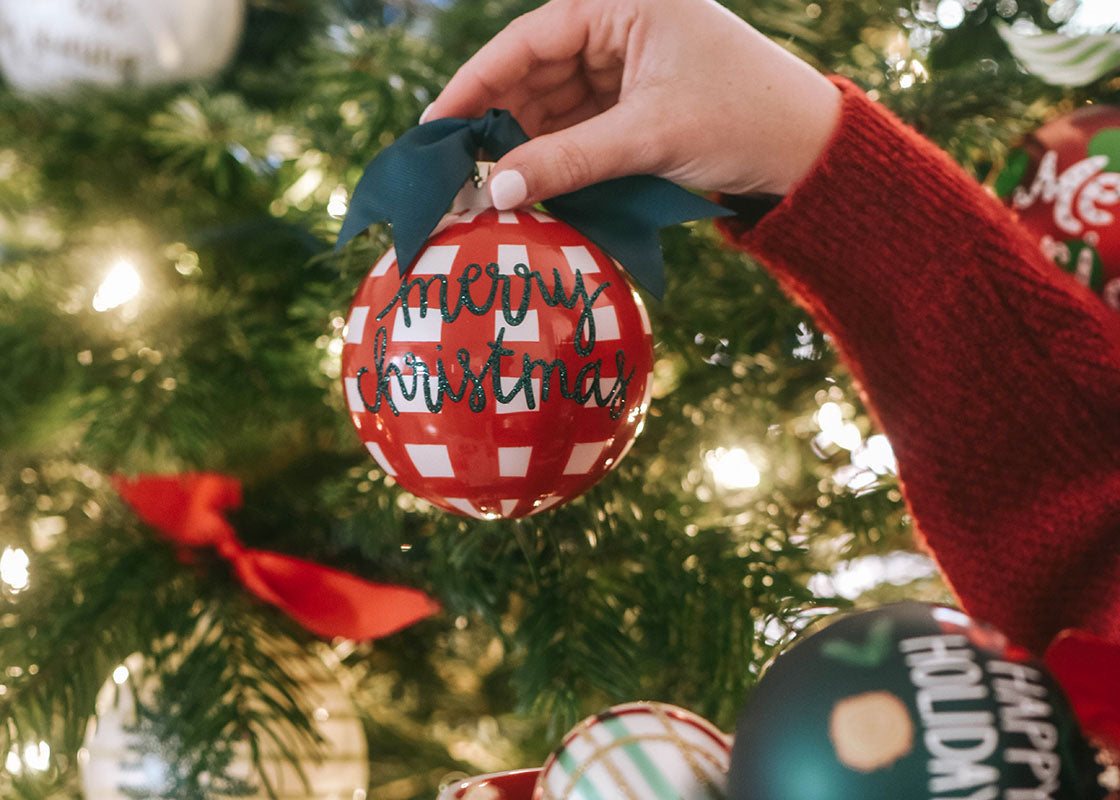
[(594, 150)]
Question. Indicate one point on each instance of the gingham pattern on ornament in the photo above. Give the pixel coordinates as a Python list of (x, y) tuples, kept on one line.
[(638, 751), (465, 359)]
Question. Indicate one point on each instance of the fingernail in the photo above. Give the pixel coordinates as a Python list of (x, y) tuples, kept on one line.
[(424, 114), (508, 189)]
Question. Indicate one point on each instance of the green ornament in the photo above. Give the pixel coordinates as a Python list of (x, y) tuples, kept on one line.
[(909, 702), (1012, 173), (1082, 260), (1107, 143)]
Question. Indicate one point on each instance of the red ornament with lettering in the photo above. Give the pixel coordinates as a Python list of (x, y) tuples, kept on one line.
[(506, 373), (1063, 181)]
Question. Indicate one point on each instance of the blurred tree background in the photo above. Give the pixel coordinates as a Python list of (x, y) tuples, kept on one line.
[(169, 301)]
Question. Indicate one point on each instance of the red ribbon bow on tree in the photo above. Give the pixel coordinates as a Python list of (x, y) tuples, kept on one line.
[(188, 508)]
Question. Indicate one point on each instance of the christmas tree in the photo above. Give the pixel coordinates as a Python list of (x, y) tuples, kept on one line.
[(170, 302)]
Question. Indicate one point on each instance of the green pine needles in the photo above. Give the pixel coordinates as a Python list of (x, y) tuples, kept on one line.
[(214, 208)]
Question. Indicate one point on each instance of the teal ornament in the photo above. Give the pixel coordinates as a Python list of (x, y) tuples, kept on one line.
[(909, 702), (411, 184)]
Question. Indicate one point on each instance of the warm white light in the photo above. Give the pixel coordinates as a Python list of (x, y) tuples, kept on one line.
[(950, 14), (848, 436), (120, 675), (906, 80), (13, 568), (331, 363), (732, 469), (307, 183), (855, 478), (830, 417), (120, 285), (850, 579), (337, 205), (45, 530), (37, 757), (831, 421), (876, 455)]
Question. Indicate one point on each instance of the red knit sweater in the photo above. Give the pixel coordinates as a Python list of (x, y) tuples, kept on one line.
[(995, 375)]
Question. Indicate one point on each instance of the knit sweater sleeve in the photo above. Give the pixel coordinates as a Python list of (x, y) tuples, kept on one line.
[(995, 376)]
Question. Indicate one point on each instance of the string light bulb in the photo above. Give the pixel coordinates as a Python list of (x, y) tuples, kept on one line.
[(950, 14), (830, 419), (13, 569), (122, 284), (876, 455), (34, 758), (732, 468), (338, 204)]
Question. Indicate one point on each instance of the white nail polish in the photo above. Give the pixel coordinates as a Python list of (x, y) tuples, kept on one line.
[(425, 112), (508, 189)]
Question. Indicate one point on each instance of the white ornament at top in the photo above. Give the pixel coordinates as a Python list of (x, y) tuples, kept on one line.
[(122, 757), (55, 45)]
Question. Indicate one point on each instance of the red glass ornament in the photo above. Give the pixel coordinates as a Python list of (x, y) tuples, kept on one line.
[(506, 373), (1063, 181), (515, 785)]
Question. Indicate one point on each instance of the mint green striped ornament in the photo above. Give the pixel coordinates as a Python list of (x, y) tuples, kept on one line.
[(638, 751), (1065, 60)]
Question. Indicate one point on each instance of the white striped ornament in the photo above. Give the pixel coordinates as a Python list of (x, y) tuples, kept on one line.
[(117, 764), (59, 46), (1064, 60), (638, 751)]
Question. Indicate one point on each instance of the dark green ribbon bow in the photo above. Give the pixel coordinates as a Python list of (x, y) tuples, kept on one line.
[(412, 182)]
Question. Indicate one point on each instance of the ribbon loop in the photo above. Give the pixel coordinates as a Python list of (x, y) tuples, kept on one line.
[(411, 184), (1088, 668), (496, 133), (187, 509)]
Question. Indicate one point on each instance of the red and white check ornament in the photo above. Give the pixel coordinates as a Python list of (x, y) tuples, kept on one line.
[(507, 372)]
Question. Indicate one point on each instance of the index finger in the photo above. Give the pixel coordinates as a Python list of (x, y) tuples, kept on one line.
[(555, 32)]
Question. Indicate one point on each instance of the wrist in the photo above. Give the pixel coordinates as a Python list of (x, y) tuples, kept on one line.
[(808, 131)]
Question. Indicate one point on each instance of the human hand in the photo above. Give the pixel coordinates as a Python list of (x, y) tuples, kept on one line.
[(683, 89)]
